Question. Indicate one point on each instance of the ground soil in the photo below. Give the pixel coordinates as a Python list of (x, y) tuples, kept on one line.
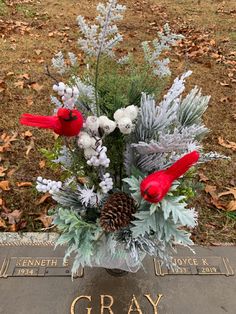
[(31, 32)]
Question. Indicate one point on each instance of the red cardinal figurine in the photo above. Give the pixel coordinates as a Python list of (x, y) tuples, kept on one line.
[(155, 186), (67, 122)]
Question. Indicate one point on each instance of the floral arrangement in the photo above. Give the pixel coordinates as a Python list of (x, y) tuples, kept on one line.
[(123, 155)]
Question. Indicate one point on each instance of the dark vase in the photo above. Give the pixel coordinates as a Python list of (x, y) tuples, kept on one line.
[(115, 272)]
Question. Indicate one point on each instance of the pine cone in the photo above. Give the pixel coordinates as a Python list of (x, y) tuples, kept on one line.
[(117, 212)]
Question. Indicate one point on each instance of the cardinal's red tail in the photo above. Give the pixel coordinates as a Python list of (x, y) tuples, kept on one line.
[(46, 122), (182, 165)]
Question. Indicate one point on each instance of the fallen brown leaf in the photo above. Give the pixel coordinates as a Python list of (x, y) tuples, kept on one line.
[(27, 134), (210, 226), (202, 177), (7, 139), (216, 243), (218, 204), (11, 172), (13, 217), (4, 185), (224, 84), (224, 99), (36, 87), (13, 228), (2, 223), (30, 147), (45, 219), (2, 86), (43, 198), (24, 184), (211, 189), (22, 224), (19, 84), (40, 61), (4, 208), (38, 52), (227, 144), (2, 171), (3, 148), (29, 101), (42, 164), (25, 76), (231, 206), (230, 191)]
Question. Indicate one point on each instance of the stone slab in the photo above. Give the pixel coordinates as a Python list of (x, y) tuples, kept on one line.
[(96, 290)]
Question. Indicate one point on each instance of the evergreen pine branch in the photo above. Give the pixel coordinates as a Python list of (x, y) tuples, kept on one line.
[(192, 107), (128, 159), (68, 198)]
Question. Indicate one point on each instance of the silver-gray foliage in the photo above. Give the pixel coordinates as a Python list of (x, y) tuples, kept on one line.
[(166, 131), (103, 36), (165, 40), (192, 107), (69, 199), (64, 158)]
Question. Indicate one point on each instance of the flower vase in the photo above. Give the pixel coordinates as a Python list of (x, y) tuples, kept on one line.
[(116, 272)]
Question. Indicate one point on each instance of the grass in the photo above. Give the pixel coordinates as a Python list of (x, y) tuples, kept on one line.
[(232, 36), (26, 10), (3, 8), (231, 215)]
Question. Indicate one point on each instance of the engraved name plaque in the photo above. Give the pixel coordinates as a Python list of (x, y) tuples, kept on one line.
[(36, 267), (188, 265)]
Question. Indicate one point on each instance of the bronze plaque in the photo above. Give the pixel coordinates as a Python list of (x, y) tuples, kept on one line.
[(191, 265), (36, 267)]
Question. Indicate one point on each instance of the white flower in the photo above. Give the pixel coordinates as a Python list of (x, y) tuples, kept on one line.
[(96, 199), (85, 140), (102, 120), (92, 123), (109, 127), (125, 125), (119, 114), (86, 195), (131, 112), (106, 124)]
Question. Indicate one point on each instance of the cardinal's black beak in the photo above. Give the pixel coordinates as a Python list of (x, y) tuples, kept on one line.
[(71, 117)]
